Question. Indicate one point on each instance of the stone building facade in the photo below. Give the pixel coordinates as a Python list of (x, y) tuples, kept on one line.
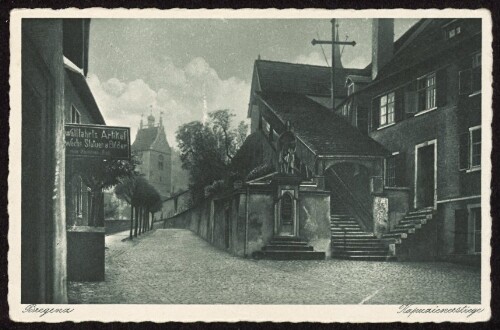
[(153, 150), (391, 171), (424, 106)]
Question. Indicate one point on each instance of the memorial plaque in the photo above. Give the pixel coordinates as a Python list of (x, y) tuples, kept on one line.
[(97, 141)]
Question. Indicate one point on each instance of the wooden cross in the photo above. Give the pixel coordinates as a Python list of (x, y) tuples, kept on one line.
[(333, 42)]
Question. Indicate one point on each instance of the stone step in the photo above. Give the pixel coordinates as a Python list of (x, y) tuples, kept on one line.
[(350, 230), (287, 239), (289, 255), (403, 230), (379, 252), (417, 216), (281, 242), (422, 211), (365, 258), (357, 240), (287, 248), (408, 226), (352, 234), (395, 235), (359, 247), (346, 226), (416, 222)]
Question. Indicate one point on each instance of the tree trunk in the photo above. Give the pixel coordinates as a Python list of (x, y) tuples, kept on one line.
[(152, 220), (136, 222), (131, 220)]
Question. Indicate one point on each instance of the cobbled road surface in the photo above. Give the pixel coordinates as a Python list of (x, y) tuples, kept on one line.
[(174, 266)]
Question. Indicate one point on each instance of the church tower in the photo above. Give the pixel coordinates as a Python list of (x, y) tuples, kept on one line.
[(152, 148)]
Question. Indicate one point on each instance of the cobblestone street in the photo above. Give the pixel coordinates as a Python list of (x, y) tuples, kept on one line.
[(174, 266)]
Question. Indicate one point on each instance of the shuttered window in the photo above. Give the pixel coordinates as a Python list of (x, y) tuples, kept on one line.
[(427, 92), (470, 79), (470, 149)]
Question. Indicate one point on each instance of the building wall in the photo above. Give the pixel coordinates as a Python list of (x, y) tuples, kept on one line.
[(444, 124), (43, 222), (72, 98)]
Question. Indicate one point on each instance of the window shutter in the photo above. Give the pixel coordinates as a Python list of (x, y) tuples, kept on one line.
[(410, 99), (464, 151), (398, 106), (375, 113), (400, 170), (441, 87)]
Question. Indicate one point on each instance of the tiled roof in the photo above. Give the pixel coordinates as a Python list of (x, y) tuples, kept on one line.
[(422, 42), (304, 79), (145, 138), (322, 131)]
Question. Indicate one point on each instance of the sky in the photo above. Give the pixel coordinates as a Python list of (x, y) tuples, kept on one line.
[(173, 65)]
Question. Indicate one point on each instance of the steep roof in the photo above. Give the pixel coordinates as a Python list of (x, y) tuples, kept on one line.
[(422, 42), (79, 81), (322, 131), (304, 79), (145, 138)]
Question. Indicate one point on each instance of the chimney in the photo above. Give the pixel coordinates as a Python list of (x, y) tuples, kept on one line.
[(382, 43)]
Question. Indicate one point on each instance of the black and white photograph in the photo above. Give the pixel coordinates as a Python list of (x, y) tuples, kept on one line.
[(256, 165)]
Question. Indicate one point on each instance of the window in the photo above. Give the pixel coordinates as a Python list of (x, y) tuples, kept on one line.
[(427, 92), (387, 109), (453, 32), (350, 89), (390, 172), (160, 162), (395, 170), (470, 79), (475, 229), (75, 115), (470, 149), (475, 147)]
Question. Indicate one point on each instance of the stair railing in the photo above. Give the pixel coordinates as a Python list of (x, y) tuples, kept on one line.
[(353, 202)]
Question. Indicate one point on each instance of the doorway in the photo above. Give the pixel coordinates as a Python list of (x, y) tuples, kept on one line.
[(286, 225), (425, 176)]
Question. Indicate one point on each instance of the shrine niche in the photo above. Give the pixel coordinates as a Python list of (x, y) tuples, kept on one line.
[(287, 144)]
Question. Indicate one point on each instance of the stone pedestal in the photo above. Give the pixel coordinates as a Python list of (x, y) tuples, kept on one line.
[(85, 253)]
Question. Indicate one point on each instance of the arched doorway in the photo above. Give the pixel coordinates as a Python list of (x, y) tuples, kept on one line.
[(349, 184)]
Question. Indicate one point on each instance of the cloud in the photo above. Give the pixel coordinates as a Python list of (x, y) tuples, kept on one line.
[(178, 92)]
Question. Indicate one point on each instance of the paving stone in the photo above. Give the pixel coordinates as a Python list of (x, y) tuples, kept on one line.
[(174, 266)]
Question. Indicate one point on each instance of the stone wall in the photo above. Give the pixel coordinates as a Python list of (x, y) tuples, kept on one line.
[(314, 224)]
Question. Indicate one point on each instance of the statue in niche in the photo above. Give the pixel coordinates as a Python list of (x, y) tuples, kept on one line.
[(286, 147)]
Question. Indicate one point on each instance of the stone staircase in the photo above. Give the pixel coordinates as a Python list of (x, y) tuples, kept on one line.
[(349, 241), (407, 229), (288, 248)]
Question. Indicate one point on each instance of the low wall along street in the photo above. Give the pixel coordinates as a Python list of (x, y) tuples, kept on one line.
[(97, 141)]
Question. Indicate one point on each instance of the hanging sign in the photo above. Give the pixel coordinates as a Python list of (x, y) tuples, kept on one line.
[(97, 141)]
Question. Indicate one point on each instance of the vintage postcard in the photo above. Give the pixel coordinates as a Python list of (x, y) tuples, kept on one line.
[(250, 165)]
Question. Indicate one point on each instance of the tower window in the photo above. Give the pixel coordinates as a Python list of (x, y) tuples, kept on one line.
[(160, 162), (75, 115)]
